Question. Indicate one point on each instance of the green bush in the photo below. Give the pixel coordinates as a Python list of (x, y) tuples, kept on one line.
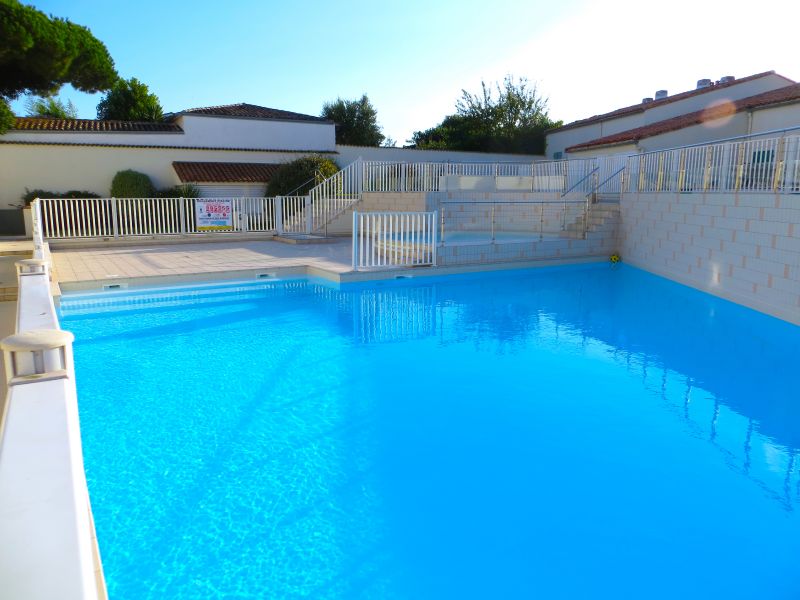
[(299, 176), (132, 184), (186, 190), (30, 195)]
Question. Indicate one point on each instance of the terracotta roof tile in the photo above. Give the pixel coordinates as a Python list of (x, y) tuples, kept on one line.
[(224, 172), (92, 125), (790, 93), (637, 108), (251, 111)]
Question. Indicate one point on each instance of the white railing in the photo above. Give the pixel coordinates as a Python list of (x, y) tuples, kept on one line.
[(336, 194), (394, 239), (72, 218), (546, 176), (471, 219), (748, 165)]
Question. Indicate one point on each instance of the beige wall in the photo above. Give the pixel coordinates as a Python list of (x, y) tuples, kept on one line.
[(745, 247), (776, 117), (91, 168)]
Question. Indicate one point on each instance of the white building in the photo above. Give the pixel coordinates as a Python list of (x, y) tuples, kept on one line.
[(712, 111), (225, 150)]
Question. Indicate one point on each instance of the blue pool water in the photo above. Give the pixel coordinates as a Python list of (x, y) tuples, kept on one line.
[(577, 432)]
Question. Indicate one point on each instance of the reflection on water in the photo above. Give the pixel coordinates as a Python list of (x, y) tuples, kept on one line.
[(719, 368)]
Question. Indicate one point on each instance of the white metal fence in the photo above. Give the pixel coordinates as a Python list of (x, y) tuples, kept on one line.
[(465, 221), (394, 239), (68, 218), (580, 175), (748, 165)]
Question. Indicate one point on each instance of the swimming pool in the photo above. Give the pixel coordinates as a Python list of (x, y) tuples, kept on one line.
[(573, 432)]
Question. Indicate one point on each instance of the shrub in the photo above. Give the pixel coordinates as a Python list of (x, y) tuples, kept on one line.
[(185, 190), (30, 195), (299, 176), (132, 184)]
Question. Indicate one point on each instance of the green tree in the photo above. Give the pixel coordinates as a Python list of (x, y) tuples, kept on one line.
[(299, 176), (130, 100), (39, 54), (51, 107), (356, 121), (514, 121)]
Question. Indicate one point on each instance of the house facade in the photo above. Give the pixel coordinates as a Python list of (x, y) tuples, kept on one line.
[(227, 150), (714, 110)]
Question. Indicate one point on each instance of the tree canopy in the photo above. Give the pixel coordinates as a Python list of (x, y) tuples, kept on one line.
[(514, 121), (39, 54), (51, 107), (130, 100), (356, 121)]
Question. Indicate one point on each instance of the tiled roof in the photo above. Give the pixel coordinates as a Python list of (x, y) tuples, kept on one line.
[(92, 125), (637, 108), (790, 93), (251, 111), (224, 172)]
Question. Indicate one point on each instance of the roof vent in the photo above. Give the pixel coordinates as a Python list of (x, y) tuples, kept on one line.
[(661, 94), (646, 100), (727, 79), (703, 83)]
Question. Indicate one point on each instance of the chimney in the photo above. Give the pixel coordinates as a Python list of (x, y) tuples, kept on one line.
[(661, 94), (703, 83), (646, 100), (727, 79)]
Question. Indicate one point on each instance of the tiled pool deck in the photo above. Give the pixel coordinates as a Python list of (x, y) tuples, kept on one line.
[(90, 267)]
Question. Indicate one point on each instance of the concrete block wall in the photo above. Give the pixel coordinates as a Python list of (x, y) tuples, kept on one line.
[(742, 247)]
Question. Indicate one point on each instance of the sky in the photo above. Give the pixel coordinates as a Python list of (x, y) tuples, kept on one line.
[(414, 57)]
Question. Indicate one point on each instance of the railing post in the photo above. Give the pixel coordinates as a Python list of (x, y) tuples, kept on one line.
[(355, 239), (182, 214), (279, 214), (435, 241), (114, 218), (36, 355), (779, 162), (309, 215)]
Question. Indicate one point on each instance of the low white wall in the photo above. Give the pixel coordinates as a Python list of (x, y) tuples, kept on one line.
[(744, 247), (348, 154)]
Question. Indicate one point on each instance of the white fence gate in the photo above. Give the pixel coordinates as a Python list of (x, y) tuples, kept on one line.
[(394, 239)]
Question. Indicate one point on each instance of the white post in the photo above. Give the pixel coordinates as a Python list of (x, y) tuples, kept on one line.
[(279, 214), (37, 354), (309, 215), (355, 239), (435, 240), (182, 214), (114, 224)]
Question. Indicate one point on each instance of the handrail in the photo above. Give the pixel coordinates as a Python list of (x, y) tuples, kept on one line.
[(584, 178), (607, 179)]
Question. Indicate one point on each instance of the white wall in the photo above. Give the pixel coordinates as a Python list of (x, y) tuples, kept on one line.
[(698, 134), (229, 132), (205, 132), (744, 247), (776, 117), (91, 168), (559, 140), (348, 154)]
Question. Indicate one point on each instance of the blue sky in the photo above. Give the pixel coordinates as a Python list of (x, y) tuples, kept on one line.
[(413, 57)]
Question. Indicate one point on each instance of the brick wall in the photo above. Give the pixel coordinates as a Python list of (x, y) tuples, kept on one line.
[(743, 247)]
